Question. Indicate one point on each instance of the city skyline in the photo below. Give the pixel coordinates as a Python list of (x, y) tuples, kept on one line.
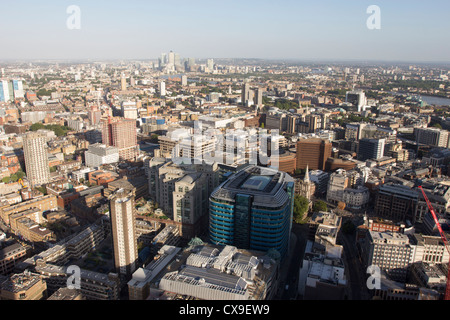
[(292, 30)]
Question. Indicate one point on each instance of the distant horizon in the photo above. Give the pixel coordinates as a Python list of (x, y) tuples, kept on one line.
[(276, 60), (292, 30)]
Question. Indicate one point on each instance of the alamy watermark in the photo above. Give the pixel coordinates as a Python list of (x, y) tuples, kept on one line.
[(374, 280), (74, 281), (73, 22), (374, 20)]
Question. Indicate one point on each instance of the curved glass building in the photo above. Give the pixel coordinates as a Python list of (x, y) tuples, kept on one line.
[(253, 210)]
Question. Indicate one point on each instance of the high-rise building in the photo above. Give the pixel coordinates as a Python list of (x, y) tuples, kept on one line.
[(123, 83), (162, 89), (313, 153), (247, 95), (4, 91), (210, 65), (253, 210), (18, 89), (123, 227), (184, 80), (259, 97), (171, 58), (357, 98), (121, 133), (182, 191), (370, 149), (36, 158)]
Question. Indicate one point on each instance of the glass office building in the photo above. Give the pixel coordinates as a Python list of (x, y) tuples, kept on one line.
[(253, 210)]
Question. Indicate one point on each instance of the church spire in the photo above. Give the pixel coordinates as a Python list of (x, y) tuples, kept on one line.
[(306, 179)]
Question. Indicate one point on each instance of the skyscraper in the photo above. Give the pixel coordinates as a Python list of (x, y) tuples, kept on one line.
[(121, 133), (246, 94), (162, 89), (123, 83), (253, 210), (36, 158), (259, 97), (210, 65), (4, 91), (123, 227)]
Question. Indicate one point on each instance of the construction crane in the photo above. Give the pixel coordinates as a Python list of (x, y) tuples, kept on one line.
[(21, 182), (444, 239)]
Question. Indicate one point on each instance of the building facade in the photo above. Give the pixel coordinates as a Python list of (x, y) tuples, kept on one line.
[(253, 210)]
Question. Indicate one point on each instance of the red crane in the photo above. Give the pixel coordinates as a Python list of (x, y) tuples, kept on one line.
[(444, 239)]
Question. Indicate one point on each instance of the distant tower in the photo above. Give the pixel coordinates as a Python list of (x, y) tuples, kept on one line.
[(162, 89), (123, 227), (36, 158), (123, 83)]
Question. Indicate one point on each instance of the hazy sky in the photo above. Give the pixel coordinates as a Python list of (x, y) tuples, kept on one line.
[(143, 29)]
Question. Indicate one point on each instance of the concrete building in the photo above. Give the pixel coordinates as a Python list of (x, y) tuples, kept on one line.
[(432, 137), (100, 154), (23, 286), (139, 285), (390, 251), (182, 192), (121, 133), (223, 273), (36, 158), (322, 278), (123, 227), (370, 149), (11, 255), (396, 202)]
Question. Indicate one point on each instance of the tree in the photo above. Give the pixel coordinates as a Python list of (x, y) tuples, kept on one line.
[(320, 205), (6, 180), (36, 126), (20, 174), (301, 205)]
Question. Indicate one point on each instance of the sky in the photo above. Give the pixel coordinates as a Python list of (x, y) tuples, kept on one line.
[(410, 30)]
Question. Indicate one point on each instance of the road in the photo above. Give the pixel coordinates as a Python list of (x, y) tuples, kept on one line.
[(291, 277), (356, 275)]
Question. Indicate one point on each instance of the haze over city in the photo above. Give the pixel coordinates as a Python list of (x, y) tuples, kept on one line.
[(303, 30), (230, 158)]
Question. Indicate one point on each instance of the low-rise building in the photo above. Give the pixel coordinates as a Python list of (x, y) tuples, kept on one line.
[(23, 286)]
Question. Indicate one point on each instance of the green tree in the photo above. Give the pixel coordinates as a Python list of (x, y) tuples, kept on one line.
[(301, 205), (154, 138), (320, 205), (6, 179), (36, 126), (20, 174)]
